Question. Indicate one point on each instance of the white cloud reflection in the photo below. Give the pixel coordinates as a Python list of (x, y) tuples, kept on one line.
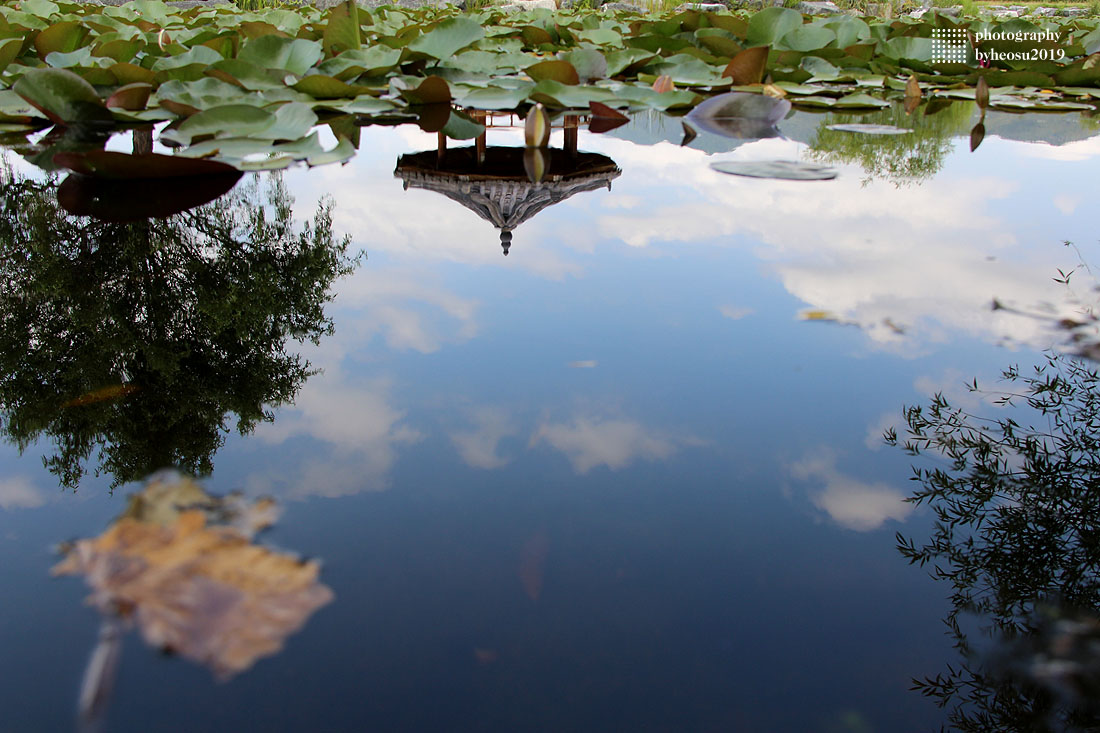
[(479, 445), (910, 265), (358, 433), (19, 493), (848, 501), (616, 443)]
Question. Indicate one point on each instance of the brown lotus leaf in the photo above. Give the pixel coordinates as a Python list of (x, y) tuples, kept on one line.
[(202, 591)]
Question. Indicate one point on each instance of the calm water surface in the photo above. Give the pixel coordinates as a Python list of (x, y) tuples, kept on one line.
[(618, 479)]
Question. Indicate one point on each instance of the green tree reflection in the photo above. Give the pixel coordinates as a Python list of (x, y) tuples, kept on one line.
[(1017, 538), (906, 159), (141, 341)]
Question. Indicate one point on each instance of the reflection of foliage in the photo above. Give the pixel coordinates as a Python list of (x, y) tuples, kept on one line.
[(903, 159), (187, 318), (1017, 534)]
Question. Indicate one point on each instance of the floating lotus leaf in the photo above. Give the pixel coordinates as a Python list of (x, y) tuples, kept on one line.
[(448, 37), (786, 170), (124, 200), (771, 24), (740, 115), (870, 129), (62, 96)]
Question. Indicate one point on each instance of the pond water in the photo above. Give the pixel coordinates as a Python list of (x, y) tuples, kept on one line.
[(629, 477)]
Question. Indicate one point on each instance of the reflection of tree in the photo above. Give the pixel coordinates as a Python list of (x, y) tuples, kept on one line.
[(903, 159), (141, 340), (1017, 537)]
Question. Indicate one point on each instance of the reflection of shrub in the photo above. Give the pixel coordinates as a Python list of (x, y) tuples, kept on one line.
[(902, 159), (1017, 531), (146, 342)]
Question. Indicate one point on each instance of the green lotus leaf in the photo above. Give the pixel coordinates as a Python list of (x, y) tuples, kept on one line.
[(62, 37), (689, 71), (372, 61), (556, 94), (770, 24), (494, 97), (661, 101), (604, 37), (197, 55), (271, 162), (808, 38), (908, 47), (296, 55), (131, 73), (118, 49), (246, 76), (432, 90), (557, 70), (869, 129), (461, 127), (860, 101), (132, 97), (784, 170), (62, 96), (320, 86), (236, 120), (292, 121), (620, 62), (343, 152), (448, 38), (342, 29), (77, 58), (589, 63), (227, 148), (849, 30), (362, 105), (717, 41)]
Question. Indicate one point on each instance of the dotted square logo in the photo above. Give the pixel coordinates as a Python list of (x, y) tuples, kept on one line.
[(949, 45)]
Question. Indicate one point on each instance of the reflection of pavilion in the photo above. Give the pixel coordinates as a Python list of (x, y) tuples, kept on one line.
[(493, 183)]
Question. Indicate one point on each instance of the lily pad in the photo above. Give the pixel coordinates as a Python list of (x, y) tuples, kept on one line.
[(786, 170), (870, 129), (62, 96), (740, 115)]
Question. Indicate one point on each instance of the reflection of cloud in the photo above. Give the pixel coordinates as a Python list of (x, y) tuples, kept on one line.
[(1066, 203), (590, 364), (848, 501), (408, 311), (1072, 151), (591, 442), (18, 493), (873, 254), (874, 439), (358, 429), (478, 447), (734, 313)]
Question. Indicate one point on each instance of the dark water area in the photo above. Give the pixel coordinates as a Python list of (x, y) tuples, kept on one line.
[(630, 476)]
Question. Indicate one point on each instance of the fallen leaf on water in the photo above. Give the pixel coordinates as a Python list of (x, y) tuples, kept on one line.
[(532, 559), (103, 394), (181, 565)]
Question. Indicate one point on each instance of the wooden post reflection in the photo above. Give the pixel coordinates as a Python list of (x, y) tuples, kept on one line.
[(571, 123), (479, 143), (441, 148)]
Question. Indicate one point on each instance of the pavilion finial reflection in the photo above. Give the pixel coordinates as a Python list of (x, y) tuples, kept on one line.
[(494, 183)]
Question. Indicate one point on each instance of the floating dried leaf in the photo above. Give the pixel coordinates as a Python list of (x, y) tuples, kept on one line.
[(181, 565)]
